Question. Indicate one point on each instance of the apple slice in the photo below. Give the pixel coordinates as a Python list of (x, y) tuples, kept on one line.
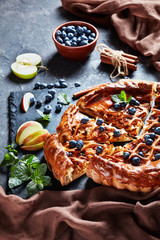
[(24, 71), (29, 59), (36, 137), (34, 147), (25, 103), (26, 129)]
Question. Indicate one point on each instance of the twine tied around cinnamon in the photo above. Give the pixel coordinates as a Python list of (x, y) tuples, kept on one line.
[(118, 61)]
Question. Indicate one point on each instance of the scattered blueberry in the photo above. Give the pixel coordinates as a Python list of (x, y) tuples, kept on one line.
[(69, 154), (157, 156), (126, 155), (135, 161), (131, 110), (84, 120), (77, 84), (99, 121), (79, 144), (43, 85), (61, 80), (99, 150), (64, 85), (101, 128), (38, 103), (32, 101), (58, 107), (123, 104), (141, 154), (157, 130), (52, 92), (37, 85), (133, 102), (116, 106), (72, 144), (48, 97), (47, 109), (57, 85), (146, 136), (117, 133), (152, 136), (149, 141), (50, 85)]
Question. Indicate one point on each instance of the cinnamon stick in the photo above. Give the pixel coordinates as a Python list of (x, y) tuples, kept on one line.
[(85, 91), (126, 55)]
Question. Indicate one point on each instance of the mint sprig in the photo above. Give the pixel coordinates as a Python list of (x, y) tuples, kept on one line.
[(26, 169), (44, 117), (63, 98), (122, 97)]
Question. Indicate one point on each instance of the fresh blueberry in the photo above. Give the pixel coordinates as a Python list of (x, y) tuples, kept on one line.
[(117, 133), (47, 109), (37, 85), (74, 44), (99, 121), (64, 85), (70, 29), (131, 110), (78, 40), (157, 156), (101, 128), (123, 104), (43, 85), (63, 34), (50, 85), (135, 161), (116, 106), (64, 28), (90, 39), (149, 141), (126, 155), (84, 120), (88, 32), (52, 92), (141, 154), (157, 130), (83, 42), (133, 102), (58, 107), (147, 136), (74, 39), (152, 136), (79, 144), (84, 37), (70, 35), (57, 85), (66, 39), (68, 43), (77, 84), (72, 144), (99, 150), (32, 101), (85, 29), (48, 97), (93, 35), (38, 103), (80, 30), (59, 39), (58, 33)]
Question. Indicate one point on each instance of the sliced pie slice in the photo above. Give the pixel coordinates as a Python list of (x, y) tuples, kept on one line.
[(75, 125), (130, 116)]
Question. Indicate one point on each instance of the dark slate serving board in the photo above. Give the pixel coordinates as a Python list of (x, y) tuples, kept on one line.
[(17, 117)]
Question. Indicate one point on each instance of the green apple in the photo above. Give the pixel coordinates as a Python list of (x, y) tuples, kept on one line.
[(25, 66)]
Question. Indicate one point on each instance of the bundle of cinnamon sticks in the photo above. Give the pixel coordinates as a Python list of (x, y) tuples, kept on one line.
[(130, 59)]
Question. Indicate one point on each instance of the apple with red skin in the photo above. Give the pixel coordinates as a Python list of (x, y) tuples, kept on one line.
[(26, 101), (31, 135)]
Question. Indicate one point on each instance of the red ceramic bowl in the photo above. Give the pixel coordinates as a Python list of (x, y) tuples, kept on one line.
[(78, 52)]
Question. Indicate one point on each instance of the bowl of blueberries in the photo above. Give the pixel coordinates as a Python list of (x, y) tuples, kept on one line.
[(75, 40)]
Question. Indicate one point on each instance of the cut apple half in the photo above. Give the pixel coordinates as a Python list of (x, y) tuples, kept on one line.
[(36, 137), (34, 147), (26, 101), (26, 129), (26, 64), (29, 59)]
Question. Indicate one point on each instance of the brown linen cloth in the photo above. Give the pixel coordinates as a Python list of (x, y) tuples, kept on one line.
[(101, 213), (136, 22)]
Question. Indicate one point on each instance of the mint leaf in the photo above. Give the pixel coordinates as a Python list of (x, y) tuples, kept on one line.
[(45, 117), (40, 170), (64, 98), (129, 99), (21, 171), (123, 96), (14, 182), (116, 99), (119, 98), (32, 188), (9, 159)]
